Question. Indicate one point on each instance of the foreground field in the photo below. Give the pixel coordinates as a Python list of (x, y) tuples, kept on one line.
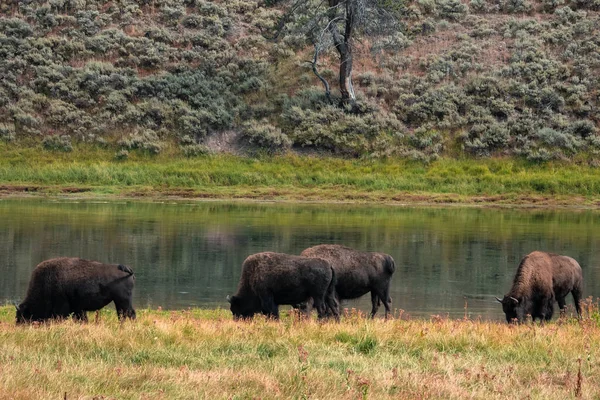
[(204, 354), (89, 172)]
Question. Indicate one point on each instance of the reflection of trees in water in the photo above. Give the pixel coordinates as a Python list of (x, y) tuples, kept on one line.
[(442, 253)]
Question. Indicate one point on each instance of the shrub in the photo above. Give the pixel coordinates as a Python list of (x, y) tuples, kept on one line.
[(395, 42), (517, 6), (566, 15), (265, 135), (7, 132), (483, 140), (478, 6), (195, 150), (427, 142), (443, 106), (551, 5), (122, 154), (15, 27), (331, 128), (541, 155), (587, 4), (559, 139), (57, 142), (428, 7), (582, 129), (192, 21), (452, 10), (146, 140)]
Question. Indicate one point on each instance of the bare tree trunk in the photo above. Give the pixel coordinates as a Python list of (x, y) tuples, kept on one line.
[(344, 48), (346, 59)]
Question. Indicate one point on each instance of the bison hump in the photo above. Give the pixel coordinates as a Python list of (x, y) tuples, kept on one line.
[(125, 268)]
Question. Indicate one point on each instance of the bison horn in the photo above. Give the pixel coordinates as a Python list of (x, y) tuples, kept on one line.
[(516, 301), (16, 305), (499, 301), (228, 299)]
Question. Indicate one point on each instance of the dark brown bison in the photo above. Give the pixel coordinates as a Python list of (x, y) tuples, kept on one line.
[(358, 273), (542, 278), (270, 279), (63, 286)]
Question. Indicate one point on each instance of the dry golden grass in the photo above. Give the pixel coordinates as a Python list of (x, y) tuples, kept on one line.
[(204, 354)]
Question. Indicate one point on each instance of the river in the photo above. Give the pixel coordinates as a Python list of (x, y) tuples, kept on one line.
[(450, 260)]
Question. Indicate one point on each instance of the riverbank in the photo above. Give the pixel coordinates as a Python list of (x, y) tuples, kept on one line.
[(204, 354), (92, 172)]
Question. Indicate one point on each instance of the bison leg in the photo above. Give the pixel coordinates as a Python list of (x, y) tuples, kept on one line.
[(333, 306), (375, 301), (268, 306), (577, 299), (124, 308), (80, 316), (383, 296), (547, 310), (61, 309), (304, 308), (319, 304), (387, 301), (562, 303), (124, 313)]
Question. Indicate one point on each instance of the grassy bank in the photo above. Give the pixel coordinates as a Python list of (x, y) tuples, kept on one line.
[(204, 354), (86, 171)]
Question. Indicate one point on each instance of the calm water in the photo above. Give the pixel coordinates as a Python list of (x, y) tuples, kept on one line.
[(191, 254)]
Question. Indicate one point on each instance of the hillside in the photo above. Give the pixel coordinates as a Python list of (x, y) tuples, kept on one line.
[(477, 79)]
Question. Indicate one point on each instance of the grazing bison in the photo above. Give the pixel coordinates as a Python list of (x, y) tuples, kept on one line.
[(358, 273), (270, 279), (542, 278), (63, 286)]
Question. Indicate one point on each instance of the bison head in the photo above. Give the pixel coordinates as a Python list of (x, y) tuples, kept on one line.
[(510, 307), (241, 308), (23, 314)]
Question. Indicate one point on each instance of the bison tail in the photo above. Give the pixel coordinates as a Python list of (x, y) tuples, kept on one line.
[(125, 268), (390, 264), (333, 283)]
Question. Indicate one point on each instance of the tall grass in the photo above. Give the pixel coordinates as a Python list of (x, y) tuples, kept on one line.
[(300, 177), (204, 354)]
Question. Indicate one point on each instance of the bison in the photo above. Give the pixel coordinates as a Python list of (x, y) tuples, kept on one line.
[(270, 279), (542, 278), (61, 287), (358, 273)]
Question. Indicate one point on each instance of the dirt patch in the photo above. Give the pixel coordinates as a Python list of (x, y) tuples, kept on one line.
[(185, 193), (192, 195), (173, 193), (490, 199), (225, 142), (39, 189), (409, 198), (19, 188), (140, 194), (75, 190)]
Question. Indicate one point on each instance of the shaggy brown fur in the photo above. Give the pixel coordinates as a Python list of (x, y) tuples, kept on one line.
[(542, 278), (358, 273), (270, 279), (63, 286)]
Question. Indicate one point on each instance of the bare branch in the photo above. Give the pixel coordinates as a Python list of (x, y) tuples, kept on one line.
[(316, 72)]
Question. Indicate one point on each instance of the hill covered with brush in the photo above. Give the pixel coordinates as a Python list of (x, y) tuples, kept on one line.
[(447, 78)]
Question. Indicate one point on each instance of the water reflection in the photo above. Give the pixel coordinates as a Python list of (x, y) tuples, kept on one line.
[(191, 254)]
